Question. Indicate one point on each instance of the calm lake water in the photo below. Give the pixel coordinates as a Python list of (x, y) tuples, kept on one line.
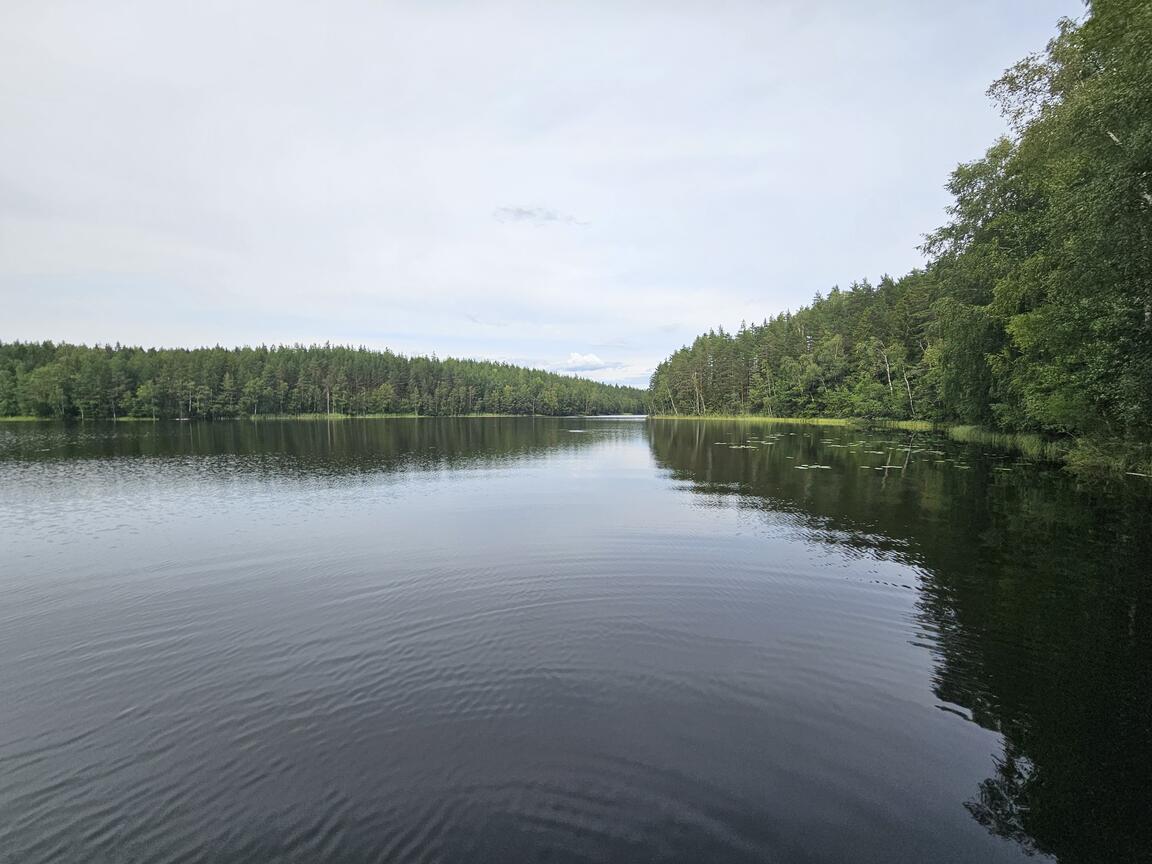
[(609, 640)]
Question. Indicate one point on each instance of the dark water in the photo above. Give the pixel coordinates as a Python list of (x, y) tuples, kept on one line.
[(565, 640)]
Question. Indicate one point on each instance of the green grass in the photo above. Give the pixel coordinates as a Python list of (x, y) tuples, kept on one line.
[(335, 415), (908, 425), (1102, 456), (26, 419), (1026, 444), (756, 418)]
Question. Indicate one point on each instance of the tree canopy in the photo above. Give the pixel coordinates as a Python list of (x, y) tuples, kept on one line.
[(1035, 309), (77, 381)]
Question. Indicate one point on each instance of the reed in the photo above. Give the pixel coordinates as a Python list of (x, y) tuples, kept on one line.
[(757, 418), (1025, 443)]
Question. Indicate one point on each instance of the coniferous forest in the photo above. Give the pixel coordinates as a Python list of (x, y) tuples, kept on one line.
[(1034, 311), (81, 382), (1032, 314)]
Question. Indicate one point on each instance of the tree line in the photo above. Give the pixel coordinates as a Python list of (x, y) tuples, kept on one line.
[(77, 381), (1034, 312)]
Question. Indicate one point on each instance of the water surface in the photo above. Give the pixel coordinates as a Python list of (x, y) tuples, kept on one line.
[(610, 640)]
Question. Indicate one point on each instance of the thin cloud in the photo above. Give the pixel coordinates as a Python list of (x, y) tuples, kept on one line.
[(484, 322), (577, 362), (538, 216)]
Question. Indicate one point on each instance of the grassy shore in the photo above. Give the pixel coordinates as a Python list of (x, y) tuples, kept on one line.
[(909, 425), (258, 417), (1084, 456), (335, 416), (29, 419), (1029, 444), (756, 418)]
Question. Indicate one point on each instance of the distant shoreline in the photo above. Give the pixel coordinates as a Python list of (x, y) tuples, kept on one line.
[(310, 417)]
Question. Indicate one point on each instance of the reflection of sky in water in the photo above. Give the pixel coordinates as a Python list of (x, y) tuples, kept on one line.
[(499, 638)]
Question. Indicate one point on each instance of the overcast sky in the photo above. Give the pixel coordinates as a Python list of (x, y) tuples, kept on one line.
[(581, 186)]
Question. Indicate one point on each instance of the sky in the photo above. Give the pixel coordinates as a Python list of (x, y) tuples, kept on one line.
[(580, 186)]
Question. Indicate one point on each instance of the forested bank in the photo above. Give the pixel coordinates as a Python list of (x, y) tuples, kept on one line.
[(81, 382), (1034, 312)]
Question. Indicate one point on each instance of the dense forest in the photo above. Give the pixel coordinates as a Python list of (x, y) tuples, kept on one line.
[(77, 381), (1034, 312)]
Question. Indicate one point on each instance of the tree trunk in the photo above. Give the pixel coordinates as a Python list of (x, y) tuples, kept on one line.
[(887, 368)]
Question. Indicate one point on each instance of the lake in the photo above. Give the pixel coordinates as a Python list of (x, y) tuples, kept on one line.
[(610, 640)]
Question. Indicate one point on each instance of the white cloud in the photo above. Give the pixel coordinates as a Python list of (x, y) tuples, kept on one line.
[(586, 363), (365, 172)]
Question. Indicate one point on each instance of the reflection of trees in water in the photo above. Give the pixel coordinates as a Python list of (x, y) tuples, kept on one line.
[(1001, 806), (1035, 598), (319, 447), (1049, 642)]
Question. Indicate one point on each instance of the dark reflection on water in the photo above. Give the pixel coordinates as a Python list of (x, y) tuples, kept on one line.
[(1034, 598), (339, 447), (564, 640)]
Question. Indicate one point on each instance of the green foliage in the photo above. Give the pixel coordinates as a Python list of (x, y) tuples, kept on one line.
[(1035, 312), (846, 355), (76, 381), (1101, 456)]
